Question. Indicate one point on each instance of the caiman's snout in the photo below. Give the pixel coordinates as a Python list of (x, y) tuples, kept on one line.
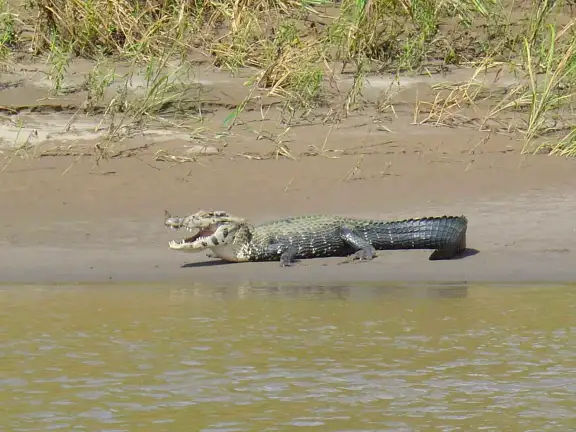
[(174, 223)]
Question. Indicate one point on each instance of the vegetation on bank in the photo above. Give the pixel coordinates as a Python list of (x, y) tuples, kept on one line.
[(294, 48)]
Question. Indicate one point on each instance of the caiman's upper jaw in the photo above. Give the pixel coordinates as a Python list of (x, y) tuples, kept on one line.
[(199, 220)]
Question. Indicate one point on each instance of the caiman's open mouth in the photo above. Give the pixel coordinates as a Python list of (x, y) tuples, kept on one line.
[(202, 233)]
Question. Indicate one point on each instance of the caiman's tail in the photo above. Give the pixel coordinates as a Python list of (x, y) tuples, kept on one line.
[(445, 234)]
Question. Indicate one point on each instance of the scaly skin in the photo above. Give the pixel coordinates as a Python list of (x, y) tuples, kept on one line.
[(286, 240)]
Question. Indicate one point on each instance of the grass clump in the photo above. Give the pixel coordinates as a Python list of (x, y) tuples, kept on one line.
[(541, 54), (8, 33), (552, 92)]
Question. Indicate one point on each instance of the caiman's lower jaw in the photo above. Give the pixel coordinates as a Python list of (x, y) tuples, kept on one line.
[(187, 242)]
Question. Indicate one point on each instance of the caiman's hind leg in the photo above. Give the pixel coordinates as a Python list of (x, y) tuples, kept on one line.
[(451, 251), (364, 249)]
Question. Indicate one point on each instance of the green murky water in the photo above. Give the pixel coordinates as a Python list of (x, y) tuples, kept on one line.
[(244, 358)]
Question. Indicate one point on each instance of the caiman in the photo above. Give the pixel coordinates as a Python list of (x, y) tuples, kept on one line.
[(233, 239)]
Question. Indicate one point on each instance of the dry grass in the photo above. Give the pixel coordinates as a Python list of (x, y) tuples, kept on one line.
[(294, 51), (537, 108), (289, 43)]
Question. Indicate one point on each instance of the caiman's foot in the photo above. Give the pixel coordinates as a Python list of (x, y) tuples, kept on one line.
[(288, 258), (287, 263), (367, 253)]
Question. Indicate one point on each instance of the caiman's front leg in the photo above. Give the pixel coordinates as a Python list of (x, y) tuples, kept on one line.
[(364, 249), (285, 250)]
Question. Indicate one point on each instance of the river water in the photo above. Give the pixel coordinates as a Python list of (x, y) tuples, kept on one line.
[(286, 357)]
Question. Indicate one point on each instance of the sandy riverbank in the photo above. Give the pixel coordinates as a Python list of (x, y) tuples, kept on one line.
[(107, 224)]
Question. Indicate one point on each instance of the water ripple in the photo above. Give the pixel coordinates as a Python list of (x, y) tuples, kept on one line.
[(494, 360)]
